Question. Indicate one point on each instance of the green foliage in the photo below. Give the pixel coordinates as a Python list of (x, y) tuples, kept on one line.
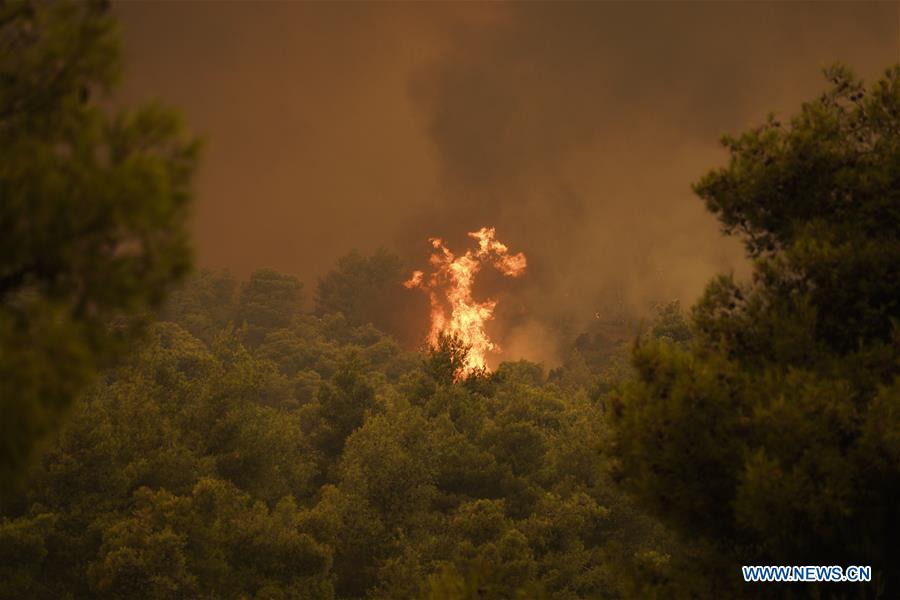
[(771, 439), (670, 323), (268, 301), (203, 305), (365, 289), (93, 215), (445, 361), (236, 546), (23, 544), (342, 406), (818, 198), (322, 462)]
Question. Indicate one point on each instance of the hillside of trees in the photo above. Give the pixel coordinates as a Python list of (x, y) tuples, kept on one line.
[(300, 456)]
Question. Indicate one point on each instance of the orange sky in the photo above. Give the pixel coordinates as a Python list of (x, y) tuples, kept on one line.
[(575, 128)]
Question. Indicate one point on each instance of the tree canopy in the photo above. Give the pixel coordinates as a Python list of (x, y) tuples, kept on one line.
[(93, 208), (368, 289), (323, 461), (772, 438)]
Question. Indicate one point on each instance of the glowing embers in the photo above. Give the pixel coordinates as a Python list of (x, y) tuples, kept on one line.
[(449, 287)]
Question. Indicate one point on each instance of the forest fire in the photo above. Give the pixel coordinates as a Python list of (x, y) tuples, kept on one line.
[(454, 311)]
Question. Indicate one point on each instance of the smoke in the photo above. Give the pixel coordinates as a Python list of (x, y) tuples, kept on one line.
[(576, 129), (573, 128)]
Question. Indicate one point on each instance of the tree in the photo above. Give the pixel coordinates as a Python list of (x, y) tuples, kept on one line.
[(342, 407), (236, 546), (445, 361), (368, 290), (670, 322), (324, 462), (268, 301), (772, 438), (93, 209), (203, 305)]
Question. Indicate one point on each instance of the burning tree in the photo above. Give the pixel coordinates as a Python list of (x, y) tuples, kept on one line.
[(454, 312)]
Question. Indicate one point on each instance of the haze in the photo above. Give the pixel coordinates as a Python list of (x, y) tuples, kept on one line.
[(576, 128)]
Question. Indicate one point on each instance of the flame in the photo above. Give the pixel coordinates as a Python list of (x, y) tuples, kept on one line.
[(449, 286)]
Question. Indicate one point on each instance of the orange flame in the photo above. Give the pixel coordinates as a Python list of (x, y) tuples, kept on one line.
[(452, 278)]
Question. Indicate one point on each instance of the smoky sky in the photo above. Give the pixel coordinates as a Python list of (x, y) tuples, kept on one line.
[(574, 128)]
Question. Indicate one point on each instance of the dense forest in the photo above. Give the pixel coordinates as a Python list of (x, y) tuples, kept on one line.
[(302, 455), (177, 433)]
